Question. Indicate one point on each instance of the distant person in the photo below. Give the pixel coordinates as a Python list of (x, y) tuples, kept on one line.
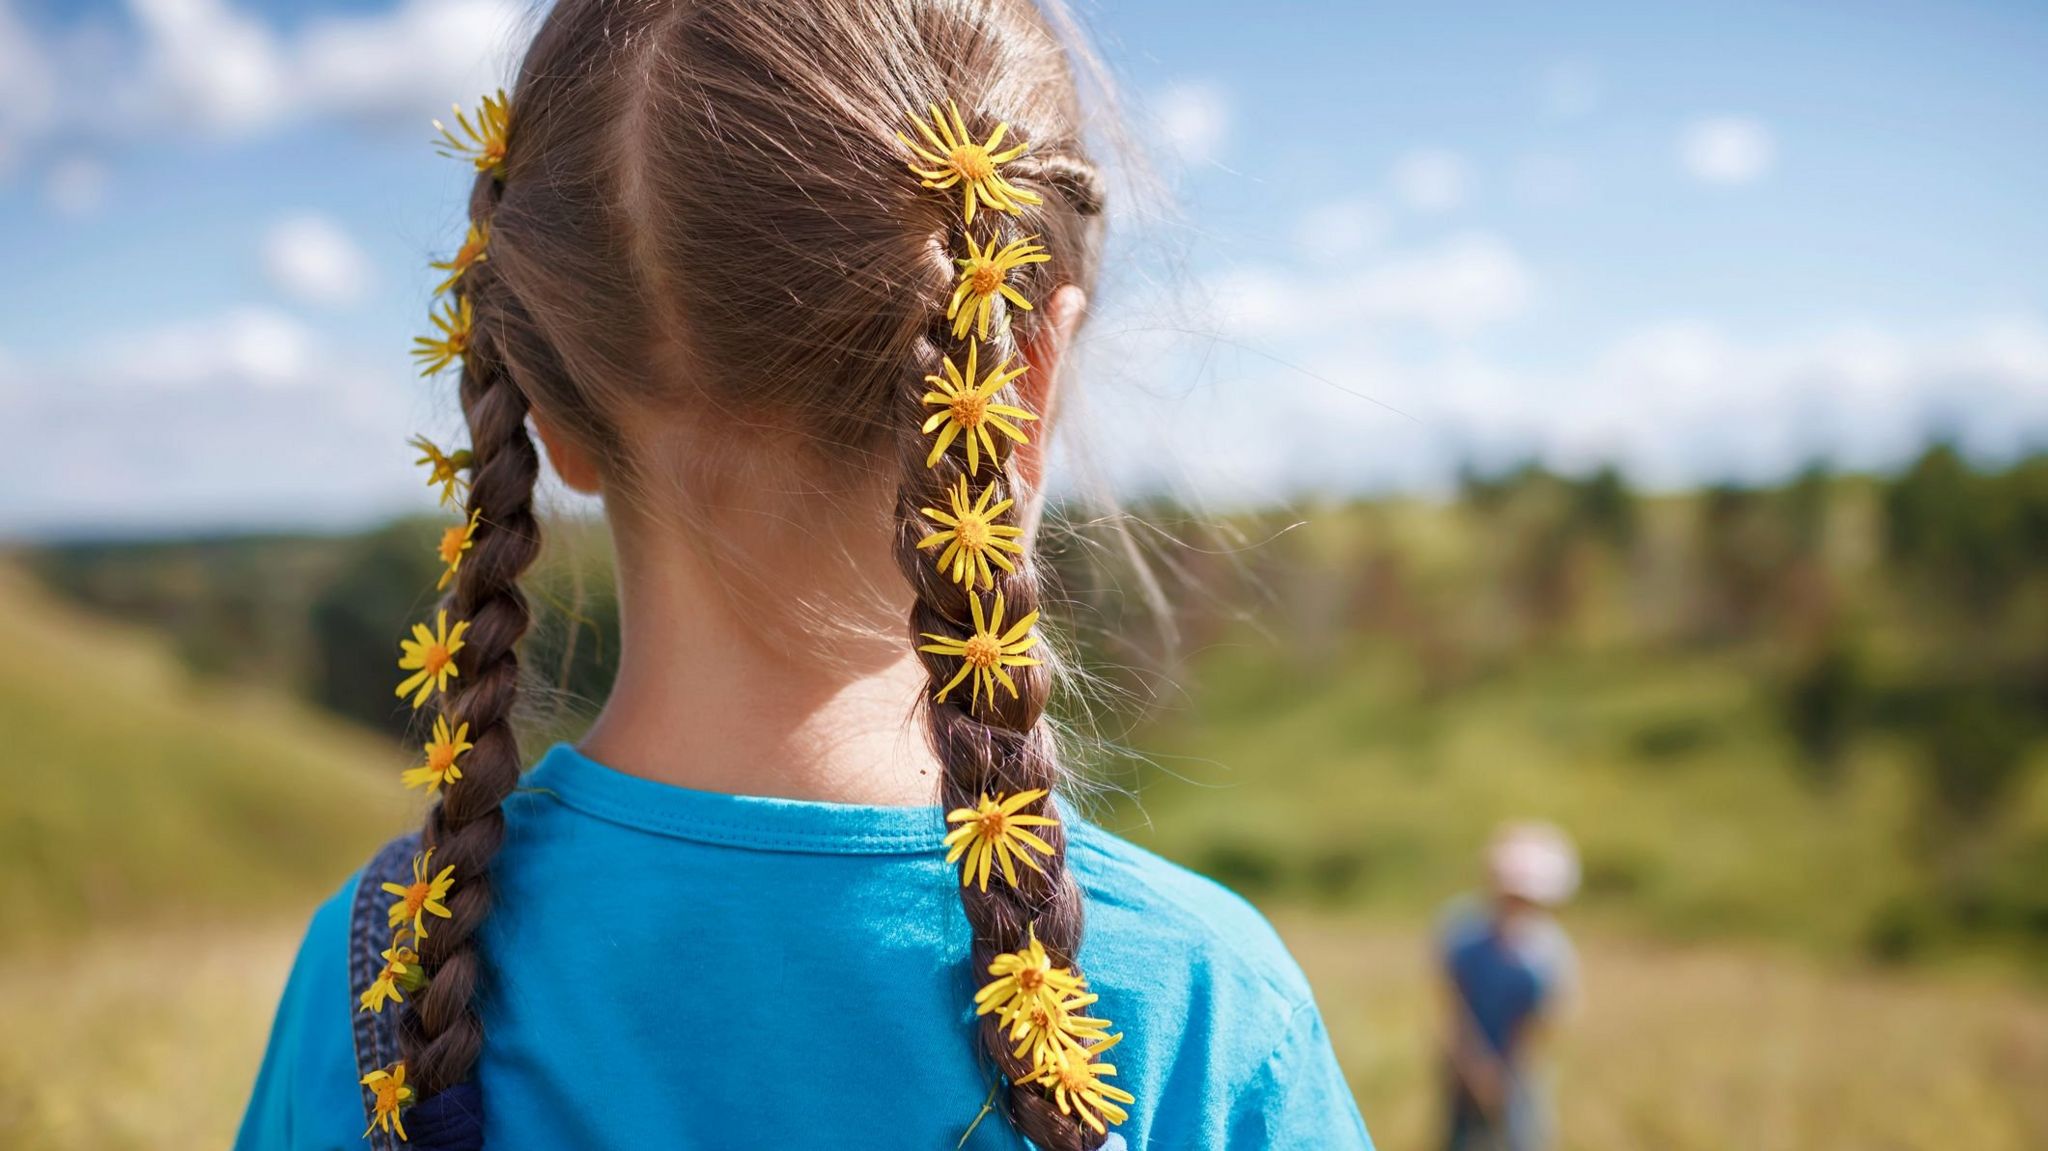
[(1507, 969), (787, 283)]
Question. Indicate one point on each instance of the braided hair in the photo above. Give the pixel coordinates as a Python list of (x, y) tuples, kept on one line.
[(701, 210)]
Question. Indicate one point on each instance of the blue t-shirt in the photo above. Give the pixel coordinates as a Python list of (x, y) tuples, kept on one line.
[(1504, 978), (683, 969)]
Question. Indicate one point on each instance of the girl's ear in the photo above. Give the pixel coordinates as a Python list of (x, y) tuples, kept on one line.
[(1045, 352), (579, 473)]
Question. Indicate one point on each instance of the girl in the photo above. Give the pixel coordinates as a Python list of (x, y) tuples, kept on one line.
[(788, 283)]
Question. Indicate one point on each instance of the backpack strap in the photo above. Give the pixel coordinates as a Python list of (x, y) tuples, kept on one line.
[(369, 933)]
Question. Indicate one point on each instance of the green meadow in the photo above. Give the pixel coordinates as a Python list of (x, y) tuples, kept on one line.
[(1808, 774)]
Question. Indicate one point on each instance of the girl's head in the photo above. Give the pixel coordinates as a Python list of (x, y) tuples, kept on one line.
[(717, 291)]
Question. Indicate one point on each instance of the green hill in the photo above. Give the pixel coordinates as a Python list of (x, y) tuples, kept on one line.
[(133, 791)]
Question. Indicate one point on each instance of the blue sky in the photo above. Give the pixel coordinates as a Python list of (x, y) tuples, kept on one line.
[(1700, 240)]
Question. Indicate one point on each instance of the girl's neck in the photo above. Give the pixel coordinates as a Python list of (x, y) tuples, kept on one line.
[(707, 700)]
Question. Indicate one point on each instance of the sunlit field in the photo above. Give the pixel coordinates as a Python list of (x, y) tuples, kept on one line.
[(1680, 1048)]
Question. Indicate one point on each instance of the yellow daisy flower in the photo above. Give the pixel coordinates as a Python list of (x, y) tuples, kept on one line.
[(1075, 1080), (1046, 1029), (972, 538), (454, 542), (994, 832), (475, 249), (430, 656), (393, 1096), (953, 158), (1024, 979), (422, 897), (443, 751), (968, 411), (984, 283), (987, 652), (436, 352), (483, 142), (401, 973), (444, 469)]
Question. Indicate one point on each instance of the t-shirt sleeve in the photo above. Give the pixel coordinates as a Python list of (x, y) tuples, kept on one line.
[(306, 1097), (1299, 1097)]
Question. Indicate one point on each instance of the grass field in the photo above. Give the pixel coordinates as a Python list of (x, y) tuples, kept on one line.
[(162, 840), (1676, 1048), (1341, 782)]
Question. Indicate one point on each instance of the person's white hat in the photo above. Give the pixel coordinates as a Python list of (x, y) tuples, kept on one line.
[(1533, 861)]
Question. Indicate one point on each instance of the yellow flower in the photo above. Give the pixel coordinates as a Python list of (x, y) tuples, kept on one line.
[(984, 281), (401, 973), (422, 897), (483, 142), (454, 542), (987, 652), (443, 469), (436, 352), (953, 158), (1024, 979), (994, 832), (442, 752), (475, 249), (430, 656), (393, 1096), (968, 411), (1075, 1079), (972, 537), (1046, 1029)]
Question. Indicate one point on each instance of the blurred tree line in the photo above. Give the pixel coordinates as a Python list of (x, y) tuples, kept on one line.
[(1908, 611)]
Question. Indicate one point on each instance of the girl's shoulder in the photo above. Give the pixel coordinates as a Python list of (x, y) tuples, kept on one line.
[(1176, 929), (1133, 889)]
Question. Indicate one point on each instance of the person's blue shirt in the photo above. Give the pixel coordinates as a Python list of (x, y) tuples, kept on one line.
[(1504, 978), (674, 968)]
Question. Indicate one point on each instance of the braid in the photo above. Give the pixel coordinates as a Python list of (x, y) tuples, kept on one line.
[(442, 1033), (1003, 744)]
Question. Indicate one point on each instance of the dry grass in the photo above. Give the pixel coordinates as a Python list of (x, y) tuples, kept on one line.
[(140, 1040), (109, 1045), (1677, 1048)]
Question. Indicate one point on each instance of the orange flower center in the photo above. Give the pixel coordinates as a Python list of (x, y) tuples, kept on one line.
[(387, 1095), (992, 824), (982, 651), (972, 533), (969, 409), (435, 659), (441, 757), (469, 253), (1075, 1076), (451, 544), (416, 897), (972, 162), (984, 279), (1031, 979)]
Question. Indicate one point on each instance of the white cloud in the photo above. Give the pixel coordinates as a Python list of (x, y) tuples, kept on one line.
[(1431, 180), (217, 68), (75, 186), (247, 416), (244, 348), (1340, 230), (1454, 288), (28, 89), (310, 258), (1677, 403), (1195, 120), (1727, 149)]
